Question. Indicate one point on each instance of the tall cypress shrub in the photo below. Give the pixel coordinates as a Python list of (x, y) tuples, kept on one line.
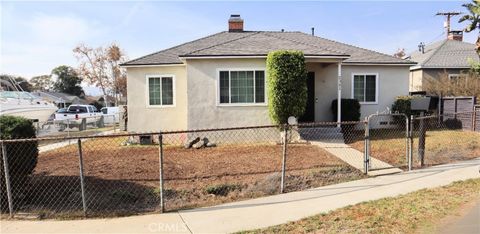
[(287, 85)]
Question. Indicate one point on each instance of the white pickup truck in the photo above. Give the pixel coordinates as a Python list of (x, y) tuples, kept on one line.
[(78, 116)]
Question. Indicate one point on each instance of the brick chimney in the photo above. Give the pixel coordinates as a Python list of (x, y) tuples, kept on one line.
[(235, 23), (455, 35)]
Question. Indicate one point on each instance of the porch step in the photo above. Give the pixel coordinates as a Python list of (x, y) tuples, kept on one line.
[(324, 134)]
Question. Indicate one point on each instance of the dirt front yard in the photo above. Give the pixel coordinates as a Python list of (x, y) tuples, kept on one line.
[(123, 180)]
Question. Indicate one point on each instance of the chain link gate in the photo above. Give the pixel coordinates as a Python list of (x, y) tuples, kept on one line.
[(387, 142)]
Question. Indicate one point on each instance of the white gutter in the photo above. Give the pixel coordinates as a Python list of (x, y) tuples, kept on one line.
[(155, 65), (377, 64), (255, 56)]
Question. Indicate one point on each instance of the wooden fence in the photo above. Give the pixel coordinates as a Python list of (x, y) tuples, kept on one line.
[(463, 109)]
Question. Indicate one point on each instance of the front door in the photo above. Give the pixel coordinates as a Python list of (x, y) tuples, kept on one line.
[(309, 115)]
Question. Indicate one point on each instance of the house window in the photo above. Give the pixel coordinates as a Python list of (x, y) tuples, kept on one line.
[(456, 77), (365, 88), (237, 87), (160, 90)]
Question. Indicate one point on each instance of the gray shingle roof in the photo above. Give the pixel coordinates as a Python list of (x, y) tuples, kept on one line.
[(446, 54), (260, 43)]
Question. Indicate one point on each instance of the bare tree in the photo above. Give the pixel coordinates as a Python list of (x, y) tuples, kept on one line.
[(101, 67), (115, 57), (467, 84)]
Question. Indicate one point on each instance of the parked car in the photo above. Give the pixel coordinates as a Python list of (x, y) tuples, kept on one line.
[(78, 116)]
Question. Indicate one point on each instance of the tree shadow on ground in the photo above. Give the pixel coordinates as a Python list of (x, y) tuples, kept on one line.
[(61, 197)]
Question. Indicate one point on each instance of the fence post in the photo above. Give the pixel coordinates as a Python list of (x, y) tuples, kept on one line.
[(366, 146), (114, 123), (82, 180), (7, 180), (410, 144), (160, 159), (475, 118), (284, 157), (421, 139)]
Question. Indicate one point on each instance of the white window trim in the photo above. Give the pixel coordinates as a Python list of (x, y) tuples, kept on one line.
[(217, 89), (376, 87), (147, 90)]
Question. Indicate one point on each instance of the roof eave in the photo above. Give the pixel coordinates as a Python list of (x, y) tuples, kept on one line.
[(438, 67), (381, 63), (152, 65), (223, 56)]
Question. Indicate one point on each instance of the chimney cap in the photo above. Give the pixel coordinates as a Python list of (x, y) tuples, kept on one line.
[(235, 18)]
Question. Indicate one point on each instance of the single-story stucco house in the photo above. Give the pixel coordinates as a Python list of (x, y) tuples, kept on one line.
[(450, 57), (220, 81)]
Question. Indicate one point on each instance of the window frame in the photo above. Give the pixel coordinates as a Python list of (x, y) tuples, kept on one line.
[(456, 75), (147, 90), (365, 83), (253, 69)]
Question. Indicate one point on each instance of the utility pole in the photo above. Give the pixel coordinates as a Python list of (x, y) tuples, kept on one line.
[(448, 16)]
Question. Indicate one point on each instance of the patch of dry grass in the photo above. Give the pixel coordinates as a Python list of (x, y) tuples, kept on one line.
[(441, 146), (404, 214)]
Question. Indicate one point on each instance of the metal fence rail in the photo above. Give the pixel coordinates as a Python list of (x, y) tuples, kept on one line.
[(131, 173)]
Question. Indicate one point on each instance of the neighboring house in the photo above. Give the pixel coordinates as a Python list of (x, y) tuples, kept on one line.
[(220, 80), (449, 57), (62, 100)]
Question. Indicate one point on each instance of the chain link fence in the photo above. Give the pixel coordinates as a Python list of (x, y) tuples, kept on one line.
[(126, 173), (442, 139), (388, 141), (72, 127)]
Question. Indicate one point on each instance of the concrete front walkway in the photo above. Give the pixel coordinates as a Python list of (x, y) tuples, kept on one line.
[(354, 157), (262, 212)]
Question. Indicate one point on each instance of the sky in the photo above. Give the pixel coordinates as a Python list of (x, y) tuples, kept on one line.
[(37, 36)]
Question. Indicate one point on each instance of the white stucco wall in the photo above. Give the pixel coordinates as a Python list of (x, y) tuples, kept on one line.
[(142, 118), (196, 94), (203, 111), (393, 81)]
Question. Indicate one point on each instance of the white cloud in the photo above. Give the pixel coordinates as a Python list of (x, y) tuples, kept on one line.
[(59, 29), (35, 45)]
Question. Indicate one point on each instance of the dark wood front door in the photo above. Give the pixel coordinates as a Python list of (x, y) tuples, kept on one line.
[(309, 115)]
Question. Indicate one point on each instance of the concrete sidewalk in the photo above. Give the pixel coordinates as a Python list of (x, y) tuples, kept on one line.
[(262, 212)]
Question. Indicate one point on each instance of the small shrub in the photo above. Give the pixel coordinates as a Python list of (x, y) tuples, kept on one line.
[(350, 110), (21, 156), (403, 104), (287, 85), (221, 189)]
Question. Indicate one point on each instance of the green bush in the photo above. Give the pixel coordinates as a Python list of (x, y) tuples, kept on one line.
[(21, 156), (350, 110), (287, 85), (403, 104)]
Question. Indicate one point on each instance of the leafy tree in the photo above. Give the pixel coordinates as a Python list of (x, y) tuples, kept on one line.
[(41, 83), (473, 19), (287, 85), (18, 82), (67, 81)]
